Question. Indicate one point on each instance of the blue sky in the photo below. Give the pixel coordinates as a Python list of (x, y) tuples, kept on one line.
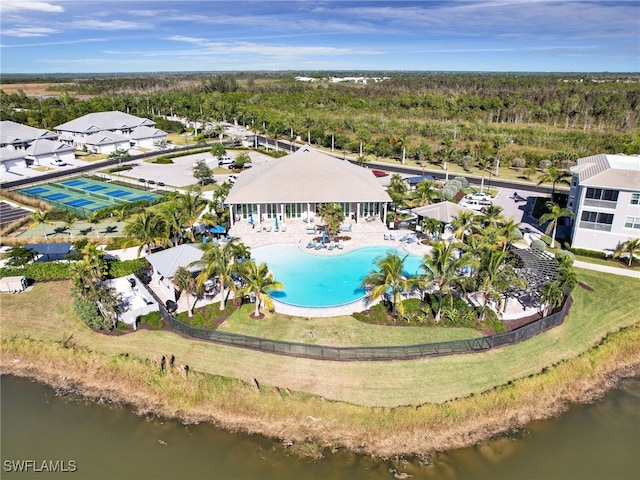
[(474, 35)]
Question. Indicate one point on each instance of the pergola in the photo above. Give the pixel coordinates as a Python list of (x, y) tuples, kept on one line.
[(536, 268)]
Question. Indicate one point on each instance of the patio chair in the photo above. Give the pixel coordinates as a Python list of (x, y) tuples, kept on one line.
[(259, 228), (319, 246), (331, 246), (404, 238), (411, 239), (392, 236), (311, 244), (340, 244), (386, 236), (284, 228), (268, 228)]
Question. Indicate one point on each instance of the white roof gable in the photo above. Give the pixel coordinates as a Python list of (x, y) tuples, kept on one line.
[(100, 121), (307, 176)]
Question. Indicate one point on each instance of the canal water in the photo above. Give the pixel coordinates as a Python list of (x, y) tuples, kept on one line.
[(80, 439)]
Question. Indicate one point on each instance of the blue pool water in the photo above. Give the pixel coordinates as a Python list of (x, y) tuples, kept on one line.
[(319, 280)]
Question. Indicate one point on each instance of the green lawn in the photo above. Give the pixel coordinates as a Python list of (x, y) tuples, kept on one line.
[(341, 331), (45, 314)]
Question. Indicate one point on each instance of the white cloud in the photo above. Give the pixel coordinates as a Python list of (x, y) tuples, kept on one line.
[(17, 5), (28, 32), (107, 25)]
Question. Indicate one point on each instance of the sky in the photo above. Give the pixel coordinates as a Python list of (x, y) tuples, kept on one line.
[(93, 36)]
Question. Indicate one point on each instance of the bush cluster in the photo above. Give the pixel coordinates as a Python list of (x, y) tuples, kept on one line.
[(588, 253)]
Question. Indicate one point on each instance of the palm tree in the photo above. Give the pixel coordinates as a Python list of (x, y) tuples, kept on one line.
[(554, 214), (397, 190), (491, 215), (40, 218), (332, 216), (463, 224), (554, 175), (495, 277), (191, 205), (630, 247), (425, 194), (259, 281), (218, 260), (551, 296), (69, 220), (147, 229), (389, 276), (443, 271), (508, 231), (184, 282), (172, 215), (94, 219)]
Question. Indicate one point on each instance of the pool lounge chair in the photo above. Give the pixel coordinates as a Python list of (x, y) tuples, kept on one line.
[(405, 237), (386, 236), (311, 244), (332, 245), (392, 236), (283, 228), (411, 239), (259, 228), (340, 244), (319, 246)]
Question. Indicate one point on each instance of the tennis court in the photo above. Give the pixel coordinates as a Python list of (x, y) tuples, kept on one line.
[(85, 195)]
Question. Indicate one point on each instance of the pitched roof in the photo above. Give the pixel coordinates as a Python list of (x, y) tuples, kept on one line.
[(44, 147), (105, 138), (12, 132), (7, 154), (442, 211), (621, 171), (166, 262), (307, 176), (100, 121), (146, 132)]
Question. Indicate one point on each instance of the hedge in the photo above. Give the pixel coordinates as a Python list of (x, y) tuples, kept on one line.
[(42, 271), (588, 253)]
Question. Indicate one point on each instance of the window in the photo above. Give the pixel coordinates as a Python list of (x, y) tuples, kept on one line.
[(632, 222), (635, 199), (602, 194), (596, 220)]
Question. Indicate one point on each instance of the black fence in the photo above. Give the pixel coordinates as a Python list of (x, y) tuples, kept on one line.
[(395, 352)]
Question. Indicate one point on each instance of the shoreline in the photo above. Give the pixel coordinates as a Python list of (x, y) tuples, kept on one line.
[(309, 421)]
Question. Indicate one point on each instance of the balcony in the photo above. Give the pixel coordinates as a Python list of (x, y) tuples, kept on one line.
[(601, 227), (590, 202)]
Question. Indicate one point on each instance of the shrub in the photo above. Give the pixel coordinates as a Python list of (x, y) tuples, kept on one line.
[(165, 160), (462, 181), (153, 320), (88, 312), (121, 168), (546, 239), (588, 253), (40, 271), (538, 245), (519, 162), (563, 253), (122, 268)]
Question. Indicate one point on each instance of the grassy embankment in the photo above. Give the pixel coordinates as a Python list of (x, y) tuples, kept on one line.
[(380, 407)]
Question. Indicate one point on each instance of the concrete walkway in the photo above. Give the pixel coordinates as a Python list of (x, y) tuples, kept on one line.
[(606, 269)]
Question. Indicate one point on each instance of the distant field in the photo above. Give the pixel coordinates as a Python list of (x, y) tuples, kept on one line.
[(35, 89)]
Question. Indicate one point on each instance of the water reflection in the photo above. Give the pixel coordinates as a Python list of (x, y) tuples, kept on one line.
[(595, 441)]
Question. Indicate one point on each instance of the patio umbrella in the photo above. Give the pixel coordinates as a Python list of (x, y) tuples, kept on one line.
[(218, 229), (251, 219), (323, 236), (276, 223)]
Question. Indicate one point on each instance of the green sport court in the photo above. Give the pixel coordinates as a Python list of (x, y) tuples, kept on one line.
[(86, 195)]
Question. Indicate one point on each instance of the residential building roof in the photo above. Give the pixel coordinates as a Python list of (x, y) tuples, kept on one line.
[(7, 154), (615, 171), (146, 132), (443, 211), (105, 138), (100, 121), (12, 132), (45, 147), (307, 176)]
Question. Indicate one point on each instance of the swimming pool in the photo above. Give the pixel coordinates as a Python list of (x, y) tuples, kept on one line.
[(319, 280)]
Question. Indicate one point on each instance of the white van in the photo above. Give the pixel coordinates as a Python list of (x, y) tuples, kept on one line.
[(225, 160)]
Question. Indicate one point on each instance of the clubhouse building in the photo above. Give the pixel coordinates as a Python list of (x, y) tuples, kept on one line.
[(292, 187)]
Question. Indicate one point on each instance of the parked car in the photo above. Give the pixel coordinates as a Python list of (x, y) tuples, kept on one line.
[(474, 204), (478, 196), (58, 162), (379, 173), (232, 178), (225, 160)]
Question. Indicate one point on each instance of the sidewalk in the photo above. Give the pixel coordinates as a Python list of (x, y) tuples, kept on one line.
[(606, 269)]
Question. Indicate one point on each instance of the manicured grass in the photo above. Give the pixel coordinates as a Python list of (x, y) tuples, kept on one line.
[(608, 263), (341, 331), (45, 314)]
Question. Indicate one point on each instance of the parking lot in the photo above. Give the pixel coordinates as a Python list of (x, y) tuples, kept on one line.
[(180, 173)]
